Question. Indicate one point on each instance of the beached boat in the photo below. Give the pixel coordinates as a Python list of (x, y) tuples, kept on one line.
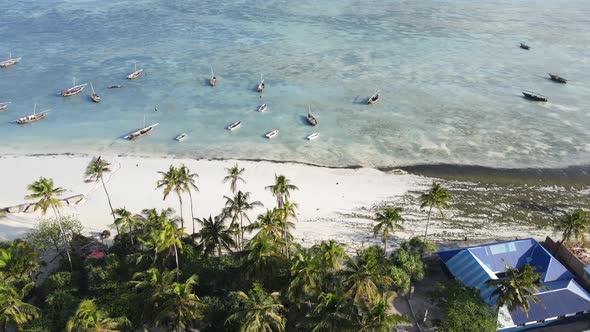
[(33, 117), (135, 74), (260, 87), (272, 134), (310, 118), (374, 98), (313, 136), (534, 96), (524, 46), (262, 108), (234, 125), (557, 78), (10, 61), (74, 90), (4, 105), (94, 96), (213, 79), (141, 132), (181, 137)]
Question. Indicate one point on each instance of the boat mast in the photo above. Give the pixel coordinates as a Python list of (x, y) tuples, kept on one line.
[(92, 88), (308, 109), (212, 74), (34, 108)]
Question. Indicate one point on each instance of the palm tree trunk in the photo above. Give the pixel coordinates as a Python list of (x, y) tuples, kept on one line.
[(427, 222), (190, 195), (385, 244), (109, 200), (241, 242), (177, 265), (63, 234), (181, 218)]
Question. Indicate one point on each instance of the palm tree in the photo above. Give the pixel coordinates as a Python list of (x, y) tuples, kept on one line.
[(214, 235), (18, 261), (152, 286), (281, 189), (169, 240), (334, 312), (47, 196), (258, 311), (269, 223), (126, 222), (14, 312), (306, 278), (516, 289), (187, 181), (388, 220), (377, 317), (286, 212), (233, 176), (437, 198), (95, 172), (237, 208), (89, 317), (365, 280), (573, 225), (172, 181), (182, 307), (264, 258), (329, 254)]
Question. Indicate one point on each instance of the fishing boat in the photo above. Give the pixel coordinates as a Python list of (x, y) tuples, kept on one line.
[(534, 96), (94, 96), (141, 132), (557, 78), (74, 90), (374, 98), (213, 79), (310, 118), (181, 137), (524, 46), (136, 73), (234, 125), (115, 86), (33, 117), (260, 87), (272, 134), (4, 105), (313, 136), (10, 61), (262, 108)]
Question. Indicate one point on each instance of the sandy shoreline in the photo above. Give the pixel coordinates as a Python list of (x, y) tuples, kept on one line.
[(334, 203)]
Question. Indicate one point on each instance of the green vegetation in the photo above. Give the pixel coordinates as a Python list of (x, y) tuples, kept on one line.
[(216, 279), (437, 198), (516, 289), (575, 224)]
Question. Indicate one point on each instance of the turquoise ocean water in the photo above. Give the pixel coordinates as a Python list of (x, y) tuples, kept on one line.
[(450, 74)]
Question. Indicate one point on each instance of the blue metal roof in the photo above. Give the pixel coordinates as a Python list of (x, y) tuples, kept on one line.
[(559, 293)]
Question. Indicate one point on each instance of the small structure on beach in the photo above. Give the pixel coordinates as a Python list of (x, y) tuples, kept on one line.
[(562, 299)]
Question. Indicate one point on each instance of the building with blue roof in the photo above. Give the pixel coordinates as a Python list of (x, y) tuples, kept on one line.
[(559, 294)]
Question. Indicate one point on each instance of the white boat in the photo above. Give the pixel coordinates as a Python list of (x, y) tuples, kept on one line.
[(74, 90), (181, 137), (141, 132), (374, 98), (213, 79), (33, 117), (10, 61), (94, 96), (272, 134), (4, 105), (262, 108), (313, 136), (260, 87), (135, 74), (234, 125)]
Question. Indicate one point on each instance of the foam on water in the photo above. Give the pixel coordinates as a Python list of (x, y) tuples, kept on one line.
[(450, 74)]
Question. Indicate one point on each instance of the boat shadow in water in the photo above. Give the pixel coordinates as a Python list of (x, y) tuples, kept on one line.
[(303, 120), (360, 100)]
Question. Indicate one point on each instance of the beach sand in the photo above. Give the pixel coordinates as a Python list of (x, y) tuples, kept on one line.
[(333, 203)]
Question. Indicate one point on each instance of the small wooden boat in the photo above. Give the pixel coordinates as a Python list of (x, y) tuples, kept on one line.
[(94, 96), (234, 125), (272, 134), (374, 98), (135, 74), (141, 132), (260, 87), (4, 105), (310, 118), (115, 86), (10, 61), (181, 137), (74, 90), (262, 108), (557, 78), (213, 79), (534, 96), (33, 117), (525, 46), (313, 136)]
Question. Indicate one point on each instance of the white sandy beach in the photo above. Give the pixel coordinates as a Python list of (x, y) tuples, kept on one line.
[(330, 200)]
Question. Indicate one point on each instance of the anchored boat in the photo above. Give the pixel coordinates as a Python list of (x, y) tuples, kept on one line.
[(234, 125), (4, 105), (524, 46), (10, 61), (213, 79), (136, 73), (33, 117), (374, 98), (313, 136), (310, 118), (94, 96), (534, 96), (557, 78), (181, 137), (272, 134), (260, 87), (262, 108), (74, 90)]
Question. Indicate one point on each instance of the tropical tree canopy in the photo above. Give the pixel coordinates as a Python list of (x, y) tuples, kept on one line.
[(516, 289), (574, 225), (258, 311)]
